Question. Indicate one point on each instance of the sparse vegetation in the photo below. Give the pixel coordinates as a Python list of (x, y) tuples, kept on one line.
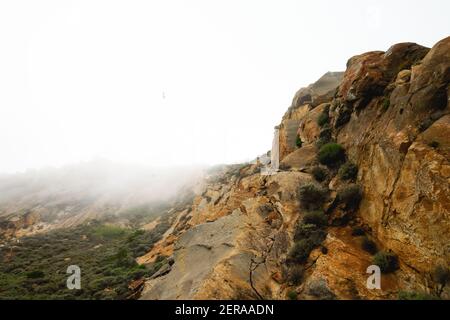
[(295, 276), (319, 173), (425, 124), (331, 154), (387, 261), (312, 196), (358, 231), (298, 142), (36, 267), (369, 245), (413, 295), (441, 275), (292, 295), (386, 103), (434, 144), (309, 231), (343, 117), (325, 136), (315, 217), (299, 253), (323, 119), (348, 171), (350, 195)]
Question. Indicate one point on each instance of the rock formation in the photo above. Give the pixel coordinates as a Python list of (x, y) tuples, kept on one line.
[(390, 113)]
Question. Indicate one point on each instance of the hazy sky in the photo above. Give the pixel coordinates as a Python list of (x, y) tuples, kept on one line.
[(176, 82)]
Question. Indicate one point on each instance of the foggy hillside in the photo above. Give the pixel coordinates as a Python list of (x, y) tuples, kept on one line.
[(73, 194)]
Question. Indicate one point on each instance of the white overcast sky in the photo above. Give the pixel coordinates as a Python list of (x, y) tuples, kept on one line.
[(86, 79)]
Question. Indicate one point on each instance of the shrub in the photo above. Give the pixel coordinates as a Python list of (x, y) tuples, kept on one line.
[(441, 275), (350, 195), (348, 171), (35, 274), (434, 144), (295, 276), (311, 232), (387, 261), (386, 104), (292, 295), (312, 196), (299, 253), (413, 295), (331, 154), (298, 142), (315, 217), (368, 245), (358, 231), (323, 119), (319, 173)]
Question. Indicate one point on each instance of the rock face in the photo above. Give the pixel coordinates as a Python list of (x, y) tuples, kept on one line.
[(390, 111)]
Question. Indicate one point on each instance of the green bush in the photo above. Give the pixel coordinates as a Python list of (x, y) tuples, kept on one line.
[(315, 217), (298, 142), (413, 295), (299, 253), (323, 119), (350, 195), (331, 154), (319, 173), (295, 276), (292, 295), (348, 171), (35, 274), (369, 245), (387, 261), (312, 196), (109, 231)]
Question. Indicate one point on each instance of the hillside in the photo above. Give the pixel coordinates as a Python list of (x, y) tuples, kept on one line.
[(364, 179)]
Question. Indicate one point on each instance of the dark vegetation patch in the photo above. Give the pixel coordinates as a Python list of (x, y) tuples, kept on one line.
[(348, 171), (312, 196), (350, 196), (36, 267), (331, 154), (319, 173), (387, 261)]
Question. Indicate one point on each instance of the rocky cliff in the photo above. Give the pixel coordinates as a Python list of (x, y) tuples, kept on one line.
[(363, 180)]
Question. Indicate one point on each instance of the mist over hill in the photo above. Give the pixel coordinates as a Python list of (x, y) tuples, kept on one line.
[(38, 200)]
